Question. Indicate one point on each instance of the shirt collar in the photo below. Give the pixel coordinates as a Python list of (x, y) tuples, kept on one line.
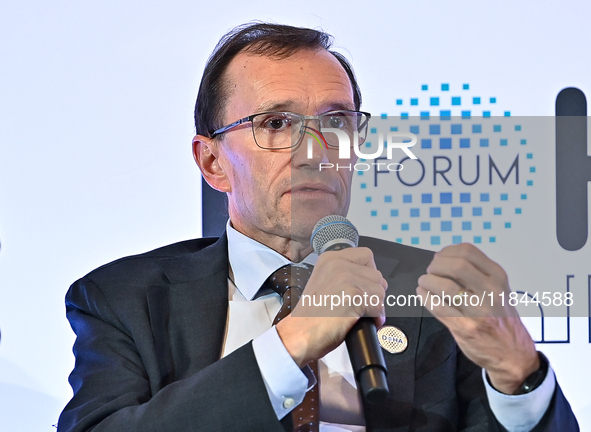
[(253, 262)]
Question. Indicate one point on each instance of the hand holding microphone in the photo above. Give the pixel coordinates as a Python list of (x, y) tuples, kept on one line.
[(334, 233), (346, 271)]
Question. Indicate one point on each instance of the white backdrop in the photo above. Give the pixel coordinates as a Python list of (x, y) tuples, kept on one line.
[(96, 103)]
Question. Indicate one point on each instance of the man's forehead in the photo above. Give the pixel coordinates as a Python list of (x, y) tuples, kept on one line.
[(291, 83)]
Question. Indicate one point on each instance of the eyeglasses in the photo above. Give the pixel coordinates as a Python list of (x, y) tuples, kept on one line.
[(281, 130)]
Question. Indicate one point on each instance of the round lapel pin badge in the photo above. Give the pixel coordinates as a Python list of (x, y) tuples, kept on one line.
[(392, 339)]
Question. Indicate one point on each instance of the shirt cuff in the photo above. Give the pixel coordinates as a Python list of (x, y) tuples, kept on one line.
[(521, 413), (285, 382)]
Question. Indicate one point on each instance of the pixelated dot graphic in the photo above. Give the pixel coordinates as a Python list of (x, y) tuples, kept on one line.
[(474, 173)]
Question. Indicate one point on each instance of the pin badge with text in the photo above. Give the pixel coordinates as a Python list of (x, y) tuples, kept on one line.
[(392, 339)]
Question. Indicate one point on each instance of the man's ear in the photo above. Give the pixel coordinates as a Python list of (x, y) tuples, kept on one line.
[(206, 153)]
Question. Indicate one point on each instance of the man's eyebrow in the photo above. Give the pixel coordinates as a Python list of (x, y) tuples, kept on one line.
[(347, 106), (288, 105), (285, 105)]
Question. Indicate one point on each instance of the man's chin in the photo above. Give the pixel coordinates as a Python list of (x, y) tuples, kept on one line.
[(304, 219)]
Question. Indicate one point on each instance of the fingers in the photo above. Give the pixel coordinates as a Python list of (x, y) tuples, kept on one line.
[(379, 321), (344, 295), (439, 306), (464, 267), (342, 272), (461, 278), (351, 261), (344, 283), (467, 264), (344, 286), (453, 273), (488, 331), (359, 255)]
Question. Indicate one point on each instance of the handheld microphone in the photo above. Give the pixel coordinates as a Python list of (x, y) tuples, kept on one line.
[(333, 233)]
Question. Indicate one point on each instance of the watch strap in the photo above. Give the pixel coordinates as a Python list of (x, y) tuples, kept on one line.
[(536, 378)]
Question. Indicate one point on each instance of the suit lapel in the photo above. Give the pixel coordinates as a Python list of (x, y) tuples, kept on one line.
[(394, 414), (188, 314)]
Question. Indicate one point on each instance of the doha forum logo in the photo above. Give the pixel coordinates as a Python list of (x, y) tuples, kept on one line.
[(474, 175)]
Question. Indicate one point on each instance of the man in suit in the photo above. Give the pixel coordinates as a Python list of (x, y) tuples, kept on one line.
[(180, 338)]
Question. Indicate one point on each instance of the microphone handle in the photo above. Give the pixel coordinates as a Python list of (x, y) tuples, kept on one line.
[(367, 359)]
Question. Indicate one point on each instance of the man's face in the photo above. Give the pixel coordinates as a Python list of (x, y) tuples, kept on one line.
[(283, 192)]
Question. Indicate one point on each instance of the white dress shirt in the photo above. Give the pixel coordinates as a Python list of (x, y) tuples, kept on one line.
[(251, 263)]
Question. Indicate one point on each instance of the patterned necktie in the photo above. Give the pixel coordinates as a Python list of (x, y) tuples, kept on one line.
[(289, 282)]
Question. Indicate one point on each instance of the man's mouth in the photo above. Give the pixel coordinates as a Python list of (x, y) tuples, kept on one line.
[(319, 188)]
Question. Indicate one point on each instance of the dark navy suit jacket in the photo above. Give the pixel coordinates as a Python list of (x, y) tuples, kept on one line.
[(150, 330)]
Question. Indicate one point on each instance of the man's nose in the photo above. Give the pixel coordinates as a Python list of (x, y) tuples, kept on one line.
[(312, 150)]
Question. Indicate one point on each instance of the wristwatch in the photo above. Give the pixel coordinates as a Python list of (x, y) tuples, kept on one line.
[(534, 380)]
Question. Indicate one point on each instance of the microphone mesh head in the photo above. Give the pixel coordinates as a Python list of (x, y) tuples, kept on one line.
[(330, 228)]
